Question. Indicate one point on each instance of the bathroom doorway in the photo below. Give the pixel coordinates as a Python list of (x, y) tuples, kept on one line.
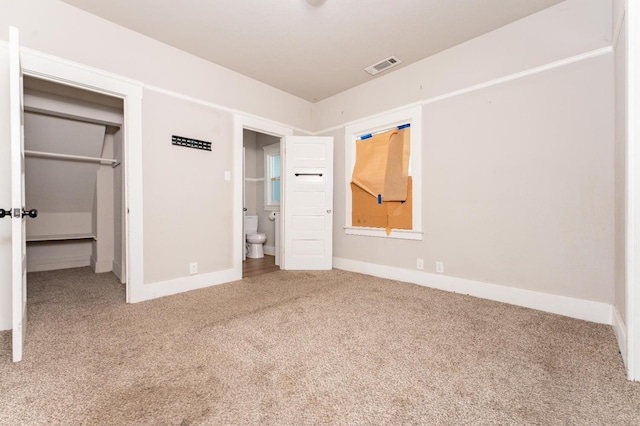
[(261, 197)]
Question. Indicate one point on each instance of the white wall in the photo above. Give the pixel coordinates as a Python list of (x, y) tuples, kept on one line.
[(187, 202), (103, 212), (620, 64), (570, 28), (518, 177), (54, 185), (633, 182), (61, 106), (50, 255)]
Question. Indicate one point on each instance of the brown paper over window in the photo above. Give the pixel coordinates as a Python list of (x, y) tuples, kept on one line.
[(365, 210), (381, 173)]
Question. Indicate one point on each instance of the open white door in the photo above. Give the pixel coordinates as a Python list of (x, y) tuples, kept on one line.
[(244, 204), (308, 203), (18, 244)]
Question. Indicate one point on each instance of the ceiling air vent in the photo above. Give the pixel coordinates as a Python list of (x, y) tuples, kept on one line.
[(391, 61)]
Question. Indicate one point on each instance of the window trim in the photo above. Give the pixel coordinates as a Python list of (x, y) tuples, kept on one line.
[(353, 131), (271, 151)]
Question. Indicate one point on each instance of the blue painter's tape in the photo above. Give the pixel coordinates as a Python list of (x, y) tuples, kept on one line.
[(367, 136), (379, 199), (404, 126)]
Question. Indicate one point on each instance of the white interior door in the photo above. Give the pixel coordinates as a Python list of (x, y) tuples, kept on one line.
[(244, 204), (308, 203), (18, 243)]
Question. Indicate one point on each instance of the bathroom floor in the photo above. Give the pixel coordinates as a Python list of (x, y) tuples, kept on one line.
[(251, 267)]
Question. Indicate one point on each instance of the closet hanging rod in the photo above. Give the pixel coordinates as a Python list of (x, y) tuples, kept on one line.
[(69, 157)]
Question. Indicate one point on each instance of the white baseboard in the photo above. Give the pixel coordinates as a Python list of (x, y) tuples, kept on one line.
[(270, 250), (180, 285), (38, 265), (575, 308), (620, 328)]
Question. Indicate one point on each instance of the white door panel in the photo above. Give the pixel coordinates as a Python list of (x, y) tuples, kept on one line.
[(308, 203), (309, 223), (18, 241), (244, 204), (309, 248), (311, 151), (311, 199)]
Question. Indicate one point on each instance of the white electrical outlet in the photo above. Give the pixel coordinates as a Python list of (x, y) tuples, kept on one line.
[(440, 267), (420, 264), (193, 268)]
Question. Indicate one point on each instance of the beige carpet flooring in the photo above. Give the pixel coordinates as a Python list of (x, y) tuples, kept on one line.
[(305, 348)]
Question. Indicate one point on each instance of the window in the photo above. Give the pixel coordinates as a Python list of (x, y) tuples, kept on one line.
[(383, 176), (272, 177)]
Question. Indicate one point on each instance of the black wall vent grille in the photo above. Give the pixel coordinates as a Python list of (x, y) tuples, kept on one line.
[(190, 143)]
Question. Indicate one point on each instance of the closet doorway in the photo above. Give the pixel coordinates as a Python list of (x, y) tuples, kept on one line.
[(74, 162)]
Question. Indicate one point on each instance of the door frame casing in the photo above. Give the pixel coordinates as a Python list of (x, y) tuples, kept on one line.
[(243, 122), (61, 71), (633, 192)]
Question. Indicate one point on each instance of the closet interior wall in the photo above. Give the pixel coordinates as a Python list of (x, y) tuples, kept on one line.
[(73, 177)]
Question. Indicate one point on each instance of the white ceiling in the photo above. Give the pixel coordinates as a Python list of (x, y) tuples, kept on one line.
[(312, 52)]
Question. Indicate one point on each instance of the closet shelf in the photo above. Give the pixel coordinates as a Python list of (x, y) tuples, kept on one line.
[(61, 237)]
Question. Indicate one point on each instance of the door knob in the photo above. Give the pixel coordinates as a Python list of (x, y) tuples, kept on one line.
[(329, 211), (30, 213)]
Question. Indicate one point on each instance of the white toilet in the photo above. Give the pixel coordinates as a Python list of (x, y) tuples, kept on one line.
[(255, 241)]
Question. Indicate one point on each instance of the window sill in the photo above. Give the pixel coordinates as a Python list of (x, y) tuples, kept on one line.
[(402, 234)]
